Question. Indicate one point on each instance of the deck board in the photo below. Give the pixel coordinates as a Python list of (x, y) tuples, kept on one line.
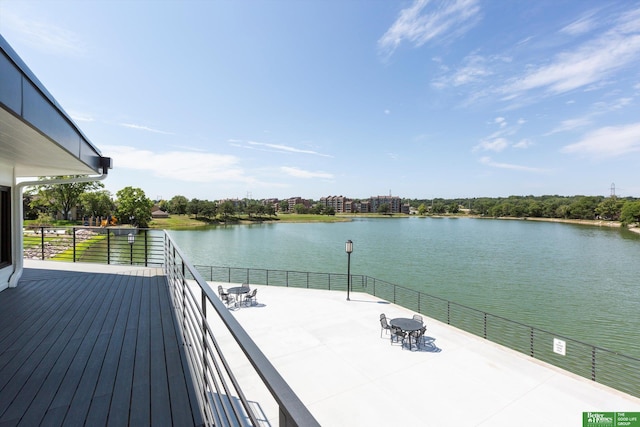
[(80, 348)]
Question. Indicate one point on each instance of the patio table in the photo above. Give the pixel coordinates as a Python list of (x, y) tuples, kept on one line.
[(239, 291), (407, 325)]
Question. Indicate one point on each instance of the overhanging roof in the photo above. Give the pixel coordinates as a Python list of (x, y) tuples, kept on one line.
[(37, 137)]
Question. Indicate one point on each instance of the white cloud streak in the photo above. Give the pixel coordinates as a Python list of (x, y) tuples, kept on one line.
[(45, 36), (179, 165), (607, 142), (488, 162), (427, 20), (588, 64), (278, 148), (144, 128), (300, 173)]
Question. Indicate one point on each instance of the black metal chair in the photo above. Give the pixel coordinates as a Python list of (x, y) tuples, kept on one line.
[(251, 298), (397, 335), (417, 336), (417, 317), (384, 324)]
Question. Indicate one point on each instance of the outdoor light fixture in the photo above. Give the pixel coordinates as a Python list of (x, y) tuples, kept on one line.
[(348, 249), (131, 239)]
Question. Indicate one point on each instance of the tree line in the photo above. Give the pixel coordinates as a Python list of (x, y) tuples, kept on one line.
[(613, 208), (87, 199), (132, 206)]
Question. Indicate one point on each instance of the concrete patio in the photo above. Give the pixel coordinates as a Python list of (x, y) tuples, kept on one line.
[(330, 351)]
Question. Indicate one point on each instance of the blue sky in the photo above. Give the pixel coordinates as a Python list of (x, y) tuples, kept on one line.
[(420, 99)]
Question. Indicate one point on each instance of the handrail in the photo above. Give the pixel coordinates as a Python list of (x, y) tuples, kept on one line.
[(599, 364), (292, 411)]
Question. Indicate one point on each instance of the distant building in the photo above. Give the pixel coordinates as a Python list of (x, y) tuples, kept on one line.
[(293, 201), (394, 203), (338, 203)]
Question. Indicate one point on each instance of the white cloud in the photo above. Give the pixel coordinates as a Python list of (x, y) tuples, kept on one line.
[(580, 26), (615, 105), (280, 148), (487, 161), (501, 121), (589, 64), (144, 128), (420, 23), (497, 145), (474, 69), (178, 165), (45, 36), (570, 124), (523, 143), (80, 117), (610, 141), (300, 173)]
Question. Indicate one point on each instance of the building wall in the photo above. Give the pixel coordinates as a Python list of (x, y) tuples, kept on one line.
[(6, 181)]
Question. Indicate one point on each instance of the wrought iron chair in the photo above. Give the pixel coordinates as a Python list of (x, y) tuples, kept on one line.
[(417, 317), (251, 299), (417, 336), (397, 335), (384, 324)]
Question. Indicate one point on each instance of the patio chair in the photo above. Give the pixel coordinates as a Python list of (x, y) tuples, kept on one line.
[(397, 335), (221, 291), (384, 324), (417, 335), (417, 317), (251, 299), (228, 299)]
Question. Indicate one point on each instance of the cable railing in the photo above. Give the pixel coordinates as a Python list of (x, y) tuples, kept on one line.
[(203, 320), (604, 366), (197, 308)]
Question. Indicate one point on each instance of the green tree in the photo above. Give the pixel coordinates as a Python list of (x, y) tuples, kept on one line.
[(194, 207), (284, 206), (178, 205), (62, 198), (227, 209), (97, 203), (610, 208), (630, 212), (133, 207), (299, 208), (584, 207), (383, 208), (422, 209), (270, 210), (208, 209)]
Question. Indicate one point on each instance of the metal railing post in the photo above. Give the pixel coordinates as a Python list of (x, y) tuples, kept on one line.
[(485, 326), (593, 363), (42, 241), (531, 343), (146, 249), (73, 231)]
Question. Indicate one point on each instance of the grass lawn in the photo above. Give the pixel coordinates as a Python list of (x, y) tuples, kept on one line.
[(188, 221)]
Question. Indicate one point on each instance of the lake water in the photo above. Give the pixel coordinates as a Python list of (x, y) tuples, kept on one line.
[(578, 281)]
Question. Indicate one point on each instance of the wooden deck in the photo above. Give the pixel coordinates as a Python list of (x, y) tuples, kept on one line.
[(92, 348)]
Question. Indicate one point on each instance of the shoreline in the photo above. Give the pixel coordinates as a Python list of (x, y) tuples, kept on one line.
[(592, 222)]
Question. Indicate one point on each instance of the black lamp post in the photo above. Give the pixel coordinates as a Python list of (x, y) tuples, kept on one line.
[(131, 239), (348, 248)]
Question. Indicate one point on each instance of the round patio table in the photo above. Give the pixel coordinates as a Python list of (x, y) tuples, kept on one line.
[(238, 291), (406, 324)]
